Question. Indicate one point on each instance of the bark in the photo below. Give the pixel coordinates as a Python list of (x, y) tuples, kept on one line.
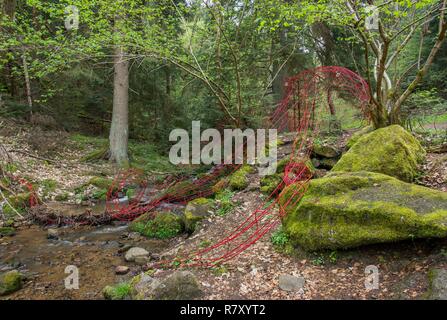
[(119, 130)]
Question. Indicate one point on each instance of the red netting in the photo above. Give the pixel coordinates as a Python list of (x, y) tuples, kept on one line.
[(308, 97)]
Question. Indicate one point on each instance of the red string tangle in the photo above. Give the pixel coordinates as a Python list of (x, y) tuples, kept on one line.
[(308, 97)]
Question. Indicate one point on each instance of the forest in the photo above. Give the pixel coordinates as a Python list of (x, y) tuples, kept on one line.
[(223, 150)]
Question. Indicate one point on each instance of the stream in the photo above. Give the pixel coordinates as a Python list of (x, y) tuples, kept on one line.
[(95, 251)]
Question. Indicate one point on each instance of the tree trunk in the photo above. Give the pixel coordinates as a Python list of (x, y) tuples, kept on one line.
[(119, 130)]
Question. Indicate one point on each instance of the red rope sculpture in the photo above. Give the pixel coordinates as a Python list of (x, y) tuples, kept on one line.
[(307, 95)]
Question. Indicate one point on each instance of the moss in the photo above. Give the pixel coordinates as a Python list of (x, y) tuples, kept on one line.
[(325, 151), (95, 155), (120, 291), (10, 282), (195, 211), (160, 225), (357, 135), (100, 182), (344, 210), (239, 179), (220, 185), (7, 231), (62, 197), (270, 183), (391, 150)]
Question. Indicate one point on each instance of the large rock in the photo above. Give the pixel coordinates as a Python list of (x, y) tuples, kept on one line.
[(195, 211), (10, 282), (181, 285), (438, 284), (391, 150), (134, 253), (344, 210)]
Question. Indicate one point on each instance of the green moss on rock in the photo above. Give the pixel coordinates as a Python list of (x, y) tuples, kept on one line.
[(10, 282), (239, 179), (195, 211), (344, 210), (270, 183), (391, 150), (160, 225), (358, 134)]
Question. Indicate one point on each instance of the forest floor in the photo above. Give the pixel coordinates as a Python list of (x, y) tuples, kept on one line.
[(254, 274)]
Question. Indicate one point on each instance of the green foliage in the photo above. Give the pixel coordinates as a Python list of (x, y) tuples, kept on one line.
[(279, 238), (225, 202)]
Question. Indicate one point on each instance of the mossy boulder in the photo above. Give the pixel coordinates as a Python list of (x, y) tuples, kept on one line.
[(358, 134), (10, 282), (392, 151), (344, 210), (239, 179), (160, 225), (197, 210), (325, 151)]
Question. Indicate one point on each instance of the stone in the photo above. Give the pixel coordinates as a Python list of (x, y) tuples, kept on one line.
[(121, 270), (53, 234), (141, 261), (195, 211), (291, 283), (350, 209), (180, 285), (392, 151), (135, 252), (325, 151), (437, 284), (10, 282)]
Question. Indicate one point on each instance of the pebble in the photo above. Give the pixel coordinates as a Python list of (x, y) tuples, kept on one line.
[(121, 270)]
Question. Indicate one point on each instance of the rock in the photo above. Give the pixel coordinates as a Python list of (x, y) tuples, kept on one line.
[(291, 283), (325, 151), (53, 233), (141, 261), (135, 252), (195, 211), (357, 135), (391, 150), (181, 285), (120, 270), (344, 210), (160, 225), (144, 286), (10, 282), (7, 231), (239, 180), (327, 164), (438, 284)]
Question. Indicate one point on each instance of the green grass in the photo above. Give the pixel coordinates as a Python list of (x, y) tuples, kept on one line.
[(225, 202)]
